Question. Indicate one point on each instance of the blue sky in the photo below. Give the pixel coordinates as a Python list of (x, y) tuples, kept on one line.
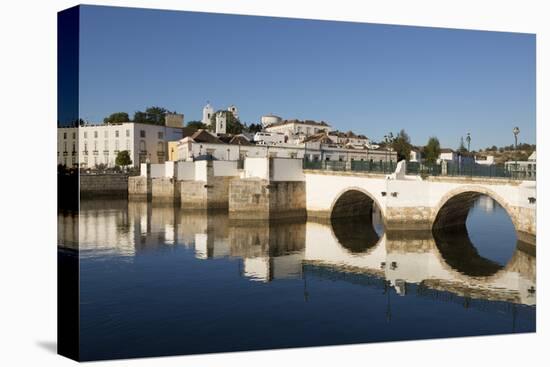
[(369, 78)]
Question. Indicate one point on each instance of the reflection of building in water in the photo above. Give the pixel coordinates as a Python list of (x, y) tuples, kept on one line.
[(272, 251), (486, 203)]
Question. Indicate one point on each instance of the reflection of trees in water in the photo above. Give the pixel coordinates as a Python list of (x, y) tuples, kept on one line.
[(356, 234), (459, 252)]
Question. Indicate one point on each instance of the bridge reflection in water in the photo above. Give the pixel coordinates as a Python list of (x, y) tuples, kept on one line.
[(167, 282), (434, 262)]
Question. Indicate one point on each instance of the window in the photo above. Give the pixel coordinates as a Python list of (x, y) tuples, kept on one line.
[(95, 134), (161, 135), (74, 135), (142, 133), (85, 146), (106, 134), (142, 146), (95, 145), (74, 147), (106, 145), (127, 144), (116, 144), (85, 135), (160, 147), (116, 133), (64, 135), (65, 146), (127, 133)]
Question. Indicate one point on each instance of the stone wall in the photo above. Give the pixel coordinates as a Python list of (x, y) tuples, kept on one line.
[(193, 194), (165, 190), (258, 199), (408, 218), (249, 199), (139, 188), (92, 186)]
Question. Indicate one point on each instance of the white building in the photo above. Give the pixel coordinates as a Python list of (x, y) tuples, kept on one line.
[(485, 161), (296, 131), (263, 137), (207, 113), (193, 147), (349, 138), (271, 119), (446, 154), (528, 167), (233, 109), (415, 155), (221, 123), (91, 145)]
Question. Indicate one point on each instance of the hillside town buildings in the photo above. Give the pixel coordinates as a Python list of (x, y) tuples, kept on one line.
[(91, 146)]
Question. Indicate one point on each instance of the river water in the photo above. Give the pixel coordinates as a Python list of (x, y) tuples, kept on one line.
[(162, 281)]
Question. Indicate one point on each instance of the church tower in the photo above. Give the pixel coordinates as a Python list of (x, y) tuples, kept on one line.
[(233, 109), (221, 122), (207, 113)]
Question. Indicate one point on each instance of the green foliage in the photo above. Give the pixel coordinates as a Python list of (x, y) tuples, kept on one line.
[(432, 150), (254, 128), (123, 158), (196, 125), (152, 115), (402, 145), (117, 117)]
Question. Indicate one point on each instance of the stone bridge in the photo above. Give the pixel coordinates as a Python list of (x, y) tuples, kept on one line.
[(278, 188), (413, 203)]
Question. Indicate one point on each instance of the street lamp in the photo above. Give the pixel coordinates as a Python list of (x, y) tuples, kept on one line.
[(515, 130), (468, 140)]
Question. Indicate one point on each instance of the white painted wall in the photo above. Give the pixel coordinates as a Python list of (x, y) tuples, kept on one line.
[(169, 169), (201, 173), (225, 168), (186, 170), (256, 168), (157, 170), (287, 169)]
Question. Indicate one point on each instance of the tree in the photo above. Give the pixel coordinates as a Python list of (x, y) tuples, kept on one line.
[(461, 148), (233, 124), (196, 125), (402, 145), (254, 128), (123, 158), (152, 115), (432, 150), (117, 117)]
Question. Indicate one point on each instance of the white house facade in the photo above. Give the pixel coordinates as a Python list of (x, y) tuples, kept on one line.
[(92, 145)]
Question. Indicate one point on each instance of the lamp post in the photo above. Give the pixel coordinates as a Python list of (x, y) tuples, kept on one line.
[(468, 139), (515, 130)]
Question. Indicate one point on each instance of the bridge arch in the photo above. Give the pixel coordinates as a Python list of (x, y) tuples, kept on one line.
[(453, 208), (351, 215), (354, 201)]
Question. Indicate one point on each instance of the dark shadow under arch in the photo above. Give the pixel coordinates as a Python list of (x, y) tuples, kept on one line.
[(458, 251), (452, 215), (352, 203), (352, 221), (357, 234)]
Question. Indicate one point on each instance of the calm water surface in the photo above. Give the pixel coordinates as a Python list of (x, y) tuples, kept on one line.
[(161, 281)]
